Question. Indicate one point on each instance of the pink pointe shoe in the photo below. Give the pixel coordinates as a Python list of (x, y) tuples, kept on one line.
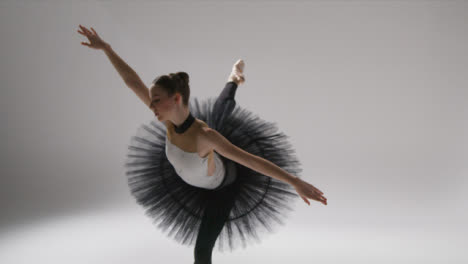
[(237, 73)]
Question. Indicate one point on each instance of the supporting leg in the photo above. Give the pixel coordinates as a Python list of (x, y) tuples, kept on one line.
[(216, 213)]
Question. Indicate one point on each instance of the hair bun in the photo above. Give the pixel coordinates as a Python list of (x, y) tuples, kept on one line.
[(183, 76)]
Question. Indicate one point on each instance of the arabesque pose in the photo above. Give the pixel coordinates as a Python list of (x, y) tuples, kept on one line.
[(207, 170)]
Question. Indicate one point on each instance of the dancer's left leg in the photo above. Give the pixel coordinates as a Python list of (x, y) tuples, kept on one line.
[(216, 214)]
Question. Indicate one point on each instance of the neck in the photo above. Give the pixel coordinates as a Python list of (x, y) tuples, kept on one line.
[(183, 120)]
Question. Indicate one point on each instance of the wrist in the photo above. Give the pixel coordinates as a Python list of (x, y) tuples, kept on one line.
[(106, 47), (295, 180)]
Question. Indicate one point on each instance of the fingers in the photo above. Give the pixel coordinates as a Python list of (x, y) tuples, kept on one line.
[(319, 198), (323, 200), (313, 187), (88, 31), (86, 44), (317, 190), (95, 32), (85, 30), (307, 190), (82, 29), (316, 194)]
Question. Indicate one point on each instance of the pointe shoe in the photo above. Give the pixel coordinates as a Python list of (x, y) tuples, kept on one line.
[(237, 73)]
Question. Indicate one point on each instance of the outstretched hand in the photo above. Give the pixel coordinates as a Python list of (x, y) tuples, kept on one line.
[(306, 190), (95, 41)]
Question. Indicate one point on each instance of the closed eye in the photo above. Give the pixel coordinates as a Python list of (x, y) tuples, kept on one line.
[(154, 101)]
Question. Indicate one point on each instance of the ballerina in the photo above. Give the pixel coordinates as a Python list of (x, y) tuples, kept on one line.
[(213, 172)]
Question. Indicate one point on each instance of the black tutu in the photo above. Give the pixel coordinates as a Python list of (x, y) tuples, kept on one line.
[(176, 206)]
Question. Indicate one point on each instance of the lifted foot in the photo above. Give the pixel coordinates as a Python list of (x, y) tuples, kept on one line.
[(237, 73)]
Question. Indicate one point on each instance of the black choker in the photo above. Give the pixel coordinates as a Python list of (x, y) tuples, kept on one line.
[(185, 125)]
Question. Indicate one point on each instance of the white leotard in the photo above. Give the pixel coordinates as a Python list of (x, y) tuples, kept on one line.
[(193, 169)]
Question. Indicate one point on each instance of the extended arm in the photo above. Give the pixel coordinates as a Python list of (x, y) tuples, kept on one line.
[(130, 77), (219, 143)]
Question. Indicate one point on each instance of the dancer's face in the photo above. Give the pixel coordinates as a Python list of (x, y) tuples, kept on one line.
[(162, 105)]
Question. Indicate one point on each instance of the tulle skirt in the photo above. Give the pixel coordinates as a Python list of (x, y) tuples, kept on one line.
[(258, 202)]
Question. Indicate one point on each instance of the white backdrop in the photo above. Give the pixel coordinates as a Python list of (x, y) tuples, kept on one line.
[(373, 95)]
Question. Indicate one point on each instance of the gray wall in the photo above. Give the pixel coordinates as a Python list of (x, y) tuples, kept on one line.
[(372, 94)]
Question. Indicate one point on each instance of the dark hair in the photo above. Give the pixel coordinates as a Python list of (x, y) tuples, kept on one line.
[(175, 82)]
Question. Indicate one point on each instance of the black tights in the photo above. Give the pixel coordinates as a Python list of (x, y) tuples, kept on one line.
[(217, 211), (224, 104)]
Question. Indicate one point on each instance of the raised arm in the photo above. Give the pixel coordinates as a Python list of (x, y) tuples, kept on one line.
[(129, 76)]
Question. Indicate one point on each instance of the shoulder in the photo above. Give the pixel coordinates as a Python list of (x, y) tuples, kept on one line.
[(203, 129), (223, 146), (201, 123), (206, 132), (213, 139)]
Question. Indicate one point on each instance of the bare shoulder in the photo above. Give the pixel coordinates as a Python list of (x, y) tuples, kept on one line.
[(205, 134), (203, 127), (211, 138), (202, 123), (214, 140)]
